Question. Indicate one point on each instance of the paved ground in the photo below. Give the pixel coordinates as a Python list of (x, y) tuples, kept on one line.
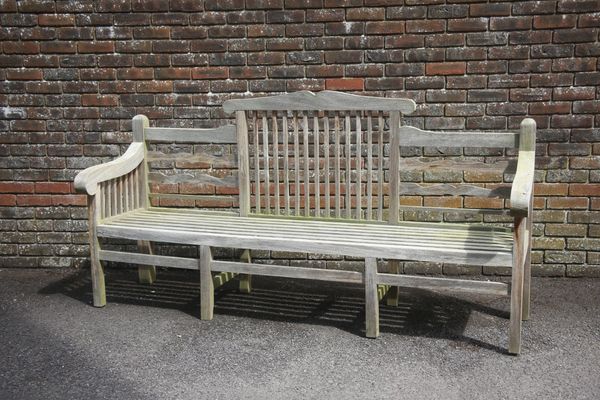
[(287, 340)]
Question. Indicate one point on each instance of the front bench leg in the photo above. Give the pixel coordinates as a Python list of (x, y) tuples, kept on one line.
[(207, 288), (371, 298), (146, 273), (516, 290), (98, 288), (394, 291)]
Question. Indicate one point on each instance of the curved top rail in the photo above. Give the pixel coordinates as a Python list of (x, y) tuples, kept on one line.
[(326, 100)]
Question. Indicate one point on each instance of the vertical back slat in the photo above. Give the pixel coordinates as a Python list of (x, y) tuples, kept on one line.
[(120, 193), (276, 161), (358, 158), (265, 131), (369, 167), (394, 167), (317, 179), (348, 132), (256, 140), (296, 163), (286, 166), (336, 128), (326, 154), (126, 192), (380, 176), (306, 166), (243, 161)]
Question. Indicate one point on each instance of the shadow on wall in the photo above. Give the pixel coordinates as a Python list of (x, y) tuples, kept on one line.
[(419, 313)]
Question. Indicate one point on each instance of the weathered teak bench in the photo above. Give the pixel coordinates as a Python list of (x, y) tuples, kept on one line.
[(315, 176)]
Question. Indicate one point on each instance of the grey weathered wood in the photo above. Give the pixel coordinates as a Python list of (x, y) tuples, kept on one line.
[(243, 162), (207, 289), (411, 136), (296, 164), (276, 161), (454, 189), (224, 134), (436, 164), (246, 279), (369, 167), (87, 180), (371, 298), (316, 148), (348, 134), (256, 140), (527, 266), (337, 177), (145, 259), (380, 173), (522, 186), (266, 161), (288, 272), (358, 181), (516, 292), (146, 273), (325, 100), (286, 166), (461, 285), (394, 212), (98, 288), (327, 172), (306, 165), (394, 292)]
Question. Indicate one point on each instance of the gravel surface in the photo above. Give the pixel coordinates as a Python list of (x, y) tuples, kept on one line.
[(287, 340)]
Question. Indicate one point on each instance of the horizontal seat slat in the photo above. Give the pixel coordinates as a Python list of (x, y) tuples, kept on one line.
[(328, 238), (331, 229)]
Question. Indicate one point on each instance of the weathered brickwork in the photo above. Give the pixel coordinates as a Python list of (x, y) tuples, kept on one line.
[(73, 73)]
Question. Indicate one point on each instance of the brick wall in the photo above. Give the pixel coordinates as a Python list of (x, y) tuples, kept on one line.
[(73, 73)]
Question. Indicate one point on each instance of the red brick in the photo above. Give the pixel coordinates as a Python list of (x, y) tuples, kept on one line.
[(69, 200), (587, 189), (135, 73), (102, 100), (7, 200), (56, 20), (551, 189), (34, 200), (554, 21), (344, 84), (210, 73), (446, 68), (52, 187), (24, 74), (16, 187), (96, 47), (425, 26)]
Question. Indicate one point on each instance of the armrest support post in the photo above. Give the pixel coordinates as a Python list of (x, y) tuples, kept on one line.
[(522, 187)]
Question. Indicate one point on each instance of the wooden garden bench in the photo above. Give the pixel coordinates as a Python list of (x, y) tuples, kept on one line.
[(320, 173)]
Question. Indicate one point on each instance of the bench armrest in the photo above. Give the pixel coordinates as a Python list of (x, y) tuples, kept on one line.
[(522, 187), (87, 180)]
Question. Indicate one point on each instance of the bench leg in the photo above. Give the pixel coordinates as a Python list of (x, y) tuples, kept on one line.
[(207, 288), (394, 291), (371, 298), (146, 273), (527, 273), (98, 289), (516, 291), (246, 279)]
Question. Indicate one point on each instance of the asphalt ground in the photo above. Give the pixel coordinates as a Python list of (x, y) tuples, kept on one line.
[(287, 340)]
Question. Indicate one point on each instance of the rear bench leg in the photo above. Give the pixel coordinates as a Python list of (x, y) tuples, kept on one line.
[(98, 289), (527, 273), (146, 273), (371, 298), (516, 291), (207, 288), (246, 279), (394, 292)]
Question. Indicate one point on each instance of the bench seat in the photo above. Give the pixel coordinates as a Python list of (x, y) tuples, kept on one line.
[(423, 241)]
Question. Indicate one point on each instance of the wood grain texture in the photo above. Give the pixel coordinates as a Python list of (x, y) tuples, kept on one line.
[(522, 186), (207, 288), (146, 273), (243, 162), (224, 134), (98, 286), (245, 285), (516, 294), (411, 136), (324, 100), (371, 298), (456, 285), (87, 180)]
